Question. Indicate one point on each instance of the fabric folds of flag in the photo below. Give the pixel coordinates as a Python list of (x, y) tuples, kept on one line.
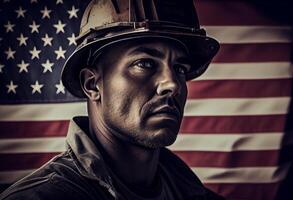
[(236, 130), (236, 121)]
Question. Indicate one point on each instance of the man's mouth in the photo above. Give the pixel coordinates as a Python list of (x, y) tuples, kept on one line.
[(166, 111)]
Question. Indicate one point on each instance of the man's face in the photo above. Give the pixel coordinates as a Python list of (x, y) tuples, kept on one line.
[(143, 91)]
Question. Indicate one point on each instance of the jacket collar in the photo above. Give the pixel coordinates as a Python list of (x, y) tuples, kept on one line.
[(85, 154), (91, 165)]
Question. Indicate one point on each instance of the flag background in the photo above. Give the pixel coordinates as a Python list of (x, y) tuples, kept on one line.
[(236, 134)]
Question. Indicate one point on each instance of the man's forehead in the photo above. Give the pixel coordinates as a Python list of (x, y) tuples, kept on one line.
[(155, 47)]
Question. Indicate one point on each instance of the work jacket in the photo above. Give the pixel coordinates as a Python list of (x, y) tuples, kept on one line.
[(80, 173)]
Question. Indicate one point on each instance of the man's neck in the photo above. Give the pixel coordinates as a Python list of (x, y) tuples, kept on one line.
[(133, 164)]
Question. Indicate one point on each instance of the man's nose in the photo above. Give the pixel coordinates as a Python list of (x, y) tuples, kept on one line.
[(168, 83)]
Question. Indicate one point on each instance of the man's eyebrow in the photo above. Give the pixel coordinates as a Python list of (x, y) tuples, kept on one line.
[(159, 54), (149, 51)]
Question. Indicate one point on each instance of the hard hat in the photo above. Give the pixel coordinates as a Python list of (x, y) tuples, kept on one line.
[(106, 22)]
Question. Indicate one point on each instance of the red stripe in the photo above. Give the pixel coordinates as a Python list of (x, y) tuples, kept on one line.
[(214, 12), (28, 129), (24, 161), (239, 88), (262, 52), (229, 159), (233, 124), (202, 124), (237, 191)]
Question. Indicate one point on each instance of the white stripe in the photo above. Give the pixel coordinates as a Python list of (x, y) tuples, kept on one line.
[(237, 106), (32, 145), (250, 34), (194, 107), (206, 174), (8, 177), (246, 71), (40, 112), (228, 142), (184, 142), (241, 174)]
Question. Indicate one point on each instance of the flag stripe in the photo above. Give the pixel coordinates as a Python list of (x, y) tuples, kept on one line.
[(198, 124), (194, 107), (32, 145), (233, 124), (241, 174), (184, 142), (236, 106), (262, 70), (26, 129), (227, 142), (261, 52), (35, 112), (23, 161), (242, 34), (239, 88), (232, 13), (229, 159), (245, 191)]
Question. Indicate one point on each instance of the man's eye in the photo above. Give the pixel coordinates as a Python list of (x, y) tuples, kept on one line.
[(181, 69), (145, 64)]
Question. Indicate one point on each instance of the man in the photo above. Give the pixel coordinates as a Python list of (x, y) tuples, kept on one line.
[(132, 65)]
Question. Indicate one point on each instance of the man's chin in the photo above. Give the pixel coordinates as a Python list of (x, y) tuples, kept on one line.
[(161, 138)]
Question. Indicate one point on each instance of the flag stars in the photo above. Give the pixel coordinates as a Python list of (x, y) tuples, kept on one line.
[(73, 12), (60, 53), (20, 12), (23, 67), (47, 66), (11, 87), (9, 53), (59, 27), (46, 13), (35, 53), (34, 27), (59, 1), (22, 40), (60, 88), (72, 39), (47, 40), (37, 87), (9, 27)]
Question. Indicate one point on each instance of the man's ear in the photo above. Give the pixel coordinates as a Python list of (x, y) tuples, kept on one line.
[(89, 83)]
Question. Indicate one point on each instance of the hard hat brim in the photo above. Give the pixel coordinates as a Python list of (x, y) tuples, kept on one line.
[(201, 48)]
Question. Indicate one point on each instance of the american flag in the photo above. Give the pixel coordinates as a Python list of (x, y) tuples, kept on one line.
[(236, 131)]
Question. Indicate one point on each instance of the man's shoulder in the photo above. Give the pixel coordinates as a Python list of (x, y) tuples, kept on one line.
[(186, 181), (43, 188), (55, 180)]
